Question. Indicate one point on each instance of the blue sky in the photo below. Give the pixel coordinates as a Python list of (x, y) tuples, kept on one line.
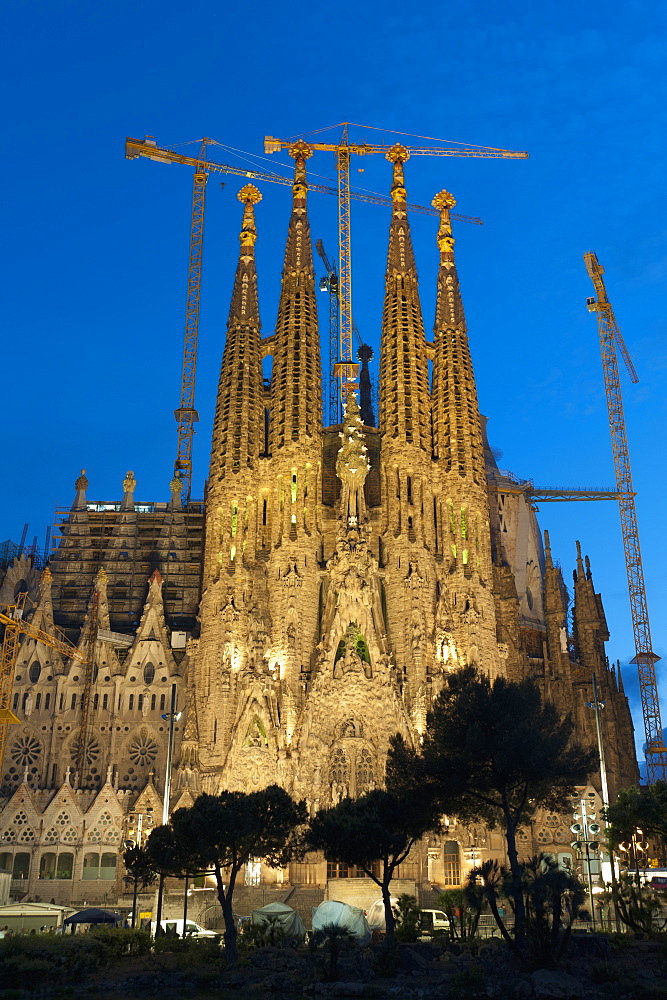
[(95, 247)]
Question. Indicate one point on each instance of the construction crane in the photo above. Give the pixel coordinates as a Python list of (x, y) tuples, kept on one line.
[(148, 149), (186, 415), (645, 658), (15, 627), (330, 284), (343, 150)]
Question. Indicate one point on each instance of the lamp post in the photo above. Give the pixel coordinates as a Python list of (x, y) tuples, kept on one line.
[(585, 828), (597, 706), (137, 820), (173, 716)]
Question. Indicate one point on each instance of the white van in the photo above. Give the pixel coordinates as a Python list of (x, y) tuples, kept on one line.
[(174, 928), (433, 922)]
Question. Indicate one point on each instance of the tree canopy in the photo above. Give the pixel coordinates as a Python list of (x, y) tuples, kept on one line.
[(222, 833), (635, 809), (494, 751), (378, 826)]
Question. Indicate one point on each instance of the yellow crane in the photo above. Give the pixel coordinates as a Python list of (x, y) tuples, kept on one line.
[(186, 415), (343, 150), (15, 627), (645, 658)]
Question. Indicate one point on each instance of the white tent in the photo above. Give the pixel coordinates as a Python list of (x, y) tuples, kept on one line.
[(331, 911), (376, 919), (282, 915)]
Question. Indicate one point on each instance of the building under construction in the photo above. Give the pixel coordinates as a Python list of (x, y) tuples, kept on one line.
[(309, 609)]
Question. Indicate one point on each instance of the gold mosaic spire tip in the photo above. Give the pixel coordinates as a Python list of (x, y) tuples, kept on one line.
[(249, 196), (397, 156), (443, 202), (300, 152)]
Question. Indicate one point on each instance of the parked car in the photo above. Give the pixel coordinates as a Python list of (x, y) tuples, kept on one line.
[(174, 928), (433, 922)]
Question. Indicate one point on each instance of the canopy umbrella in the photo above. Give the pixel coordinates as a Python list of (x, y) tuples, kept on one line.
[(93, 915)]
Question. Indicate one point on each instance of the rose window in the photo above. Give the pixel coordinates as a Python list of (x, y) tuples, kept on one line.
[(143, 750), (92, 750), (26, 750)]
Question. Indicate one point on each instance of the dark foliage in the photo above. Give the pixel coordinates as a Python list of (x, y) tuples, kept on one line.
[(494, 751), (221, 833), (638, 808), (50, 960), (378, 826)]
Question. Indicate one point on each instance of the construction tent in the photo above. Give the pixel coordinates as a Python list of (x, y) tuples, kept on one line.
[(332, 912), (376, 918), (282, 916)]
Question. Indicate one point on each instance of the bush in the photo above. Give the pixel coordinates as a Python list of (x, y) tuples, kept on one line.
[(120, 941), (468, 981), (407, 920), (192, 950), (270, 932), (39, 959)]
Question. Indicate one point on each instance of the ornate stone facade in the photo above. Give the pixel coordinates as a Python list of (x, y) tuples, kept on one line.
[(344, 572)]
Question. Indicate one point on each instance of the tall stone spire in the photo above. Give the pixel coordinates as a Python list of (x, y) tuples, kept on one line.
[(237, 428), (296, 395), (404, 391), (590, 624), (457, 430)]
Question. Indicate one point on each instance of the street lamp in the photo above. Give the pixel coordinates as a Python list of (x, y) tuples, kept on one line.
[(585, 828), (173, 716)]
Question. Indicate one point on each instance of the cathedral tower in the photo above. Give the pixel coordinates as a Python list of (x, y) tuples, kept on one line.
[(344, 572)]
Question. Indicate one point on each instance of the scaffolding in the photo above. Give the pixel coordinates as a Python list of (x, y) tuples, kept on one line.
[(130, 546)]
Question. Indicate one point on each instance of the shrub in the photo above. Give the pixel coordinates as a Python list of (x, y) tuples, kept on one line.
[(469, 980), (39, 959), (192, 950), (407, 921), (120, 941)]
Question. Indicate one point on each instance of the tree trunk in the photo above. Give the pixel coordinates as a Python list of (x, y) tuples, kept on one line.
[(516, 886), (225, 899), (389, 918)]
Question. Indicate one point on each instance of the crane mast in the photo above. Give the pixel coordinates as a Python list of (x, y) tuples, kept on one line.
[(186, 415), (330, 284), (645, 658), (346, 368)]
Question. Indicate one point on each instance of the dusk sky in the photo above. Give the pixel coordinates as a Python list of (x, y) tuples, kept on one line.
[(95, 246)]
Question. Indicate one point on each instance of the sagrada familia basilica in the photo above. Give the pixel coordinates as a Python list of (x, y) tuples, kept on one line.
[(306, 611)]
